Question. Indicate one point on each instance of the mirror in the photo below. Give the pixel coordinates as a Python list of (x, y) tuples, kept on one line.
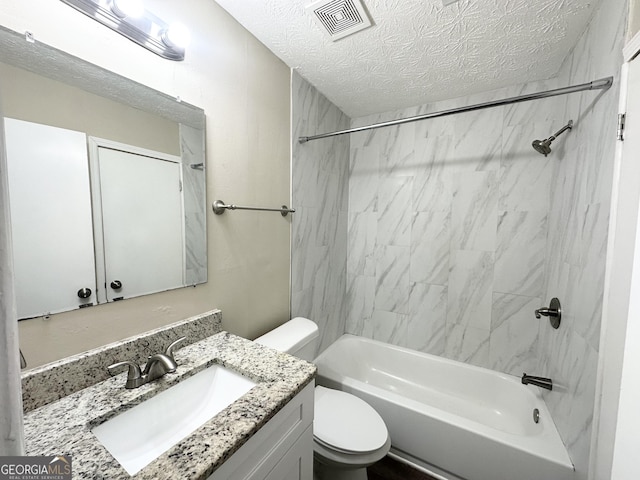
[(130, 159)]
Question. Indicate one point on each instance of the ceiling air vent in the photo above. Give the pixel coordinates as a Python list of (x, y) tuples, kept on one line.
[(340, 17)]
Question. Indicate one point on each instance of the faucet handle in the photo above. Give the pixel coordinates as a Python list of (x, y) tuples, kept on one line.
[(169, 351), (134, 369), (554, 312)]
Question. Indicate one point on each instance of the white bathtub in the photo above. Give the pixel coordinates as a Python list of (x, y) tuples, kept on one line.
[(454, 419)]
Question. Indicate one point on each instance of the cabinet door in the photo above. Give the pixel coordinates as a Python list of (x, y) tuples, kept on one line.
[(283, 446), (50, 218), (297, 464)]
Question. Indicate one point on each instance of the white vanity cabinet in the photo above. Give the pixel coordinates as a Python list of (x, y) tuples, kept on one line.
[(281, 450)]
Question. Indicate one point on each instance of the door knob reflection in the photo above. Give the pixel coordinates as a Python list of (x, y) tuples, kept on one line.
[(84, 293)]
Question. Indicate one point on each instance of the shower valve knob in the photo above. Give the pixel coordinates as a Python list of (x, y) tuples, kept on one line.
[(554, 312), (116, 284)]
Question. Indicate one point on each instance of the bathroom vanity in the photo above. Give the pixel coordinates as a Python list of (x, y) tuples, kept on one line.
[(264, 434), (281, 449)]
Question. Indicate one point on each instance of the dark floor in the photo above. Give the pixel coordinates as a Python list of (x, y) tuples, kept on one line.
[(390, 469)]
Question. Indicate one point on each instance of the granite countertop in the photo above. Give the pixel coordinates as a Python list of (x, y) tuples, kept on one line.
[(64, 426)]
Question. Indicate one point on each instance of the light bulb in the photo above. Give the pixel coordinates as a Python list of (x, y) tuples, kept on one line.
[(177, 36), (127, 8)]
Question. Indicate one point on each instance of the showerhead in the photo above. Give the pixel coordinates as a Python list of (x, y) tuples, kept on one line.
[(544, 146)]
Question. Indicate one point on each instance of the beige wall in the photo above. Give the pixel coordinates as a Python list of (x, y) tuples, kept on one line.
[(634, 18), (244, 90), (27, 96)]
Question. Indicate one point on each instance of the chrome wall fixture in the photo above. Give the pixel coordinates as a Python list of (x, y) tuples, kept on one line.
[(554, 312), (219, 207), (544, 146), (601, 84), (129, 18)]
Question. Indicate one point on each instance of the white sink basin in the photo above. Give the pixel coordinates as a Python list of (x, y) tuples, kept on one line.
[(140, 435)]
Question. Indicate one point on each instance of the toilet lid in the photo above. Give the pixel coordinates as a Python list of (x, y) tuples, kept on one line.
[(347, 423)]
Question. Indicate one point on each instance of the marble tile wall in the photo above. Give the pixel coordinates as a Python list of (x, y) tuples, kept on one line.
[(320, 172), (448, 222), (195, 209), (458, 230), (578, 226)]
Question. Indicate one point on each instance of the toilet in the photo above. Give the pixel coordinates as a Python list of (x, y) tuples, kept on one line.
[(348, 434)]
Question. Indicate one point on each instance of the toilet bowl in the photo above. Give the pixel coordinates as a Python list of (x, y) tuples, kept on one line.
[(348, 434)]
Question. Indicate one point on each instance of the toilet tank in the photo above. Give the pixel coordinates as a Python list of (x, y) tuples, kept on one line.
[(297, 337)]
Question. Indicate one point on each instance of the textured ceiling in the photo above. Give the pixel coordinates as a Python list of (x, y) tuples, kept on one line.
[(418, 51)]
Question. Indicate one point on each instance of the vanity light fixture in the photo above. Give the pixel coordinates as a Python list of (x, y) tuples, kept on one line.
[(127, 8), (129, 18)]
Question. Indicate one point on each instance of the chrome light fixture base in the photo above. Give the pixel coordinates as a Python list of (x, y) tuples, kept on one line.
[(147, 30)]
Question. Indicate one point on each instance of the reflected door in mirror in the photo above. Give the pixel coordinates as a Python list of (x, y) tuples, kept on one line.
[(142, 220), (50, 218)]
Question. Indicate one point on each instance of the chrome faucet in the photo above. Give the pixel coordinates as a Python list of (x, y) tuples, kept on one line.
[(157, 366), (537, 381)]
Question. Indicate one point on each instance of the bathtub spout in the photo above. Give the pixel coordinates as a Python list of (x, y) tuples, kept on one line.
[(537, 381)]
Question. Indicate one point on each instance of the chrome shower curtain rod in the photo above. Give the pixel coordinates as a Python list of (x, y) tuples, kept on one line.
[(601, 84)]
